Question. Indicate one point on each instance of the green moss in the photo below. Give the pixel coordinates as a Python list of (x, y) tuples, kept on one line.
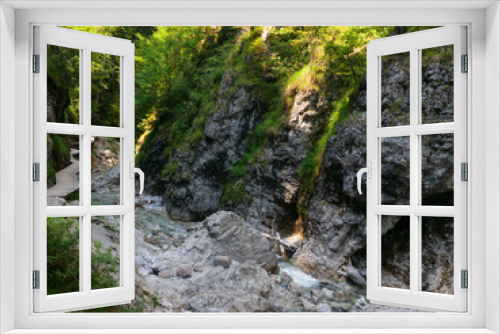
[(169, 169)]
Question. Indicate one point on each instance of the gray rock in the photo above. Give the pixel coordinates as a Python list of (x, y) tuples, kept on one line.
[(229, 234), (183, 272), (294, 288), (316, 295), (328, 293), (223, 261), (340, 307), (354, 276), (323, 307), (308, 306), (165, 274), (198, 267)]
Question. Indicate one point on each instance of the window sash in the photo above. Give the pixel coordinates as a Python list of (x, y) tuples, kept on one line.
[(86, 297), (413, 43)]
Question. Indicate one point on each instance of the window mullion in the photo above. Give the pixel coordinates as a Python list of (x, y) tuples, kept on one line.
[(85, 181), (414, 171)]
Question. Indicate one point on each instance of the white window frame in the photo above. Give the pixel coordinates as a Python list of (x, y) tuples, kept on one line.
[(413, 44), (483, 20), (86, 297)]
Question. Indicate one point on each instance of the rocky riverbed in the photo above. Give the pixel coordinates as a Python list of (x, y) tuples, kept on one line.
[(224, 264)]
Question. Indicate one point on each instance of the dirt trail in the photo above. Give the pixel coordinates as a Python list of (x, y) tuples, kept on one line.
[(66, 179)]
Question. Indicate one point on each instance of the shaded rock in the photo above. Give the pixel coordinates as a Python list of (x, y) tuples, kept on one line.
[(340, 307), (223, 261), (354, 276)]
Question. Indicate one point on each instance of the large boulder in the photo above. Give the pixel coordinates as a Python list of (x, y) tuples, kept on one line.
[(223, 267), (223, 233)]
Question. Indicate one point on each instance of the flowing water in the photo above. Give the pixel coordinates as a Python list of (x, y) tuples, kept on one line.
[(301, 278)]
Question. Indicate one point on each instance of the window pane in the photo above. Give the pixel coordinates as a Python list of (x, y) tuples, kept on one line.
[(105, 252), (105, 89), (437, 84), (395, 90), (105, 171), (63, 170), (437, 169), (395, 169), (395, 252), (63, 85), (63, 255), (437, 254)]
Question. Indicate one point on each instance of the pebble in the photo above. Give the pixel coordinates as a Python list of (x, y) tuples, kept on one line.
[(165, 274), (183, 271), (328, 293), (198, 267), (223, 261)]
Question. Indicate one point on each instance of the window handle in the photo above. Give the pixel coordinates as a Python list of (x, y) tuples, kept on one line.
[(134, 170), (368, 171)]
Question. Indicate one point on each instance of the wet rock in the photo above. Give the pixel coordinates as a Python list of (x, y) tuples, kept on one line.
[(223, 261)]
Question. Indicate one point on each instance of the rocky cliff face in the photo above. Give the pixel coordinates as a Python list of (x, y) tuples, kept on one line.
[(274, 184), (194, 189)]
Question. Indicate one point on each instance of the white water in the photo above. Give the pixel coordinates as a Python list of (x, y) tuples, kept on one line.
[(301, 278)]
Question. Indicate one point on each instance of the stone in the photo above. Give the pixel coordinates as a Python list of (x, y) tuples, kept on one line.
[(198, 267), (340, 307), (223, 261), (294, 288), (323, 307), (354, 276), (183, 271), (316, 295), (308, 306), (328, 293), (229, 234), (285, 279), (166, 274)]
